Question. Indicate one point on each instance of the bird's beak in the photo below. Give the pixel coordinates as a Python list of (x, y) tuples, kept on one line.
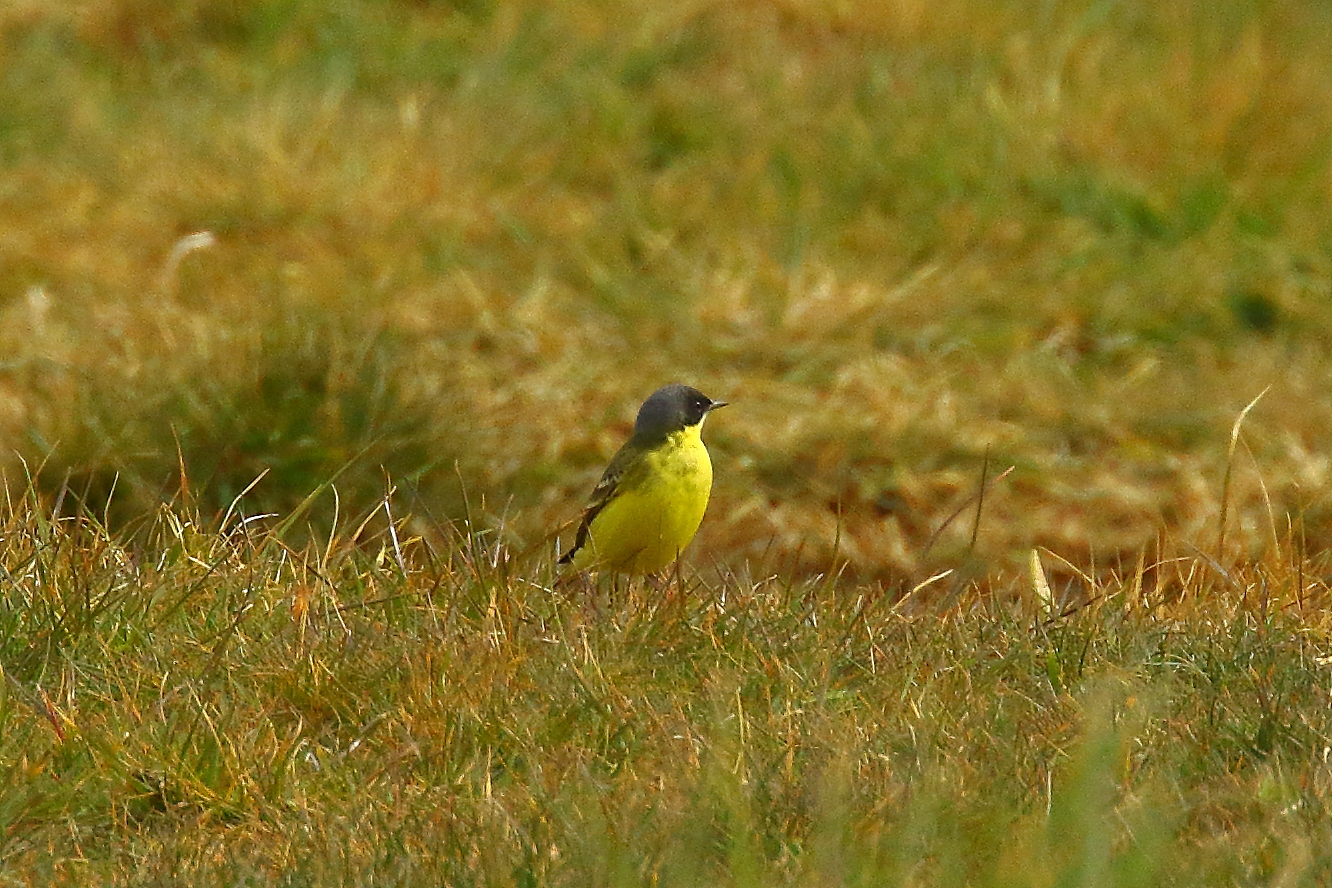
[(716, 405)]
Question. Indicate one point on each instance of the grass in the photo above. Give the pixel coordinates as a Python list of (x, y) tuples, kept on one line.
[(207, 707), (462, 242), (451, 245)]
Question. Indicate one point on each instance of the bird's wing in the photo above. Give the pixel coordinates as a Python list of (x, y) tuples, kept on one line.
[(621, 465)]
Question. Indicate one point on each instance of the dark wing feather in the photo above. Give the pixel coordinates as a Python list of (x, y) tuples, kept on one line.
[(603, 493)]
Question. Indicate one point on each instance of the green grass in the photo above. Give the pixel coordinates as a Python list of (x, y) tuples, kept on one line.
[(207, 708), (453, 244)]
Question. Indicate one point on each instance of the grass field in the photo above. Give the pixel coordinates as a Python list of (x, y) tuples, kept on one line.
[(319, 321)]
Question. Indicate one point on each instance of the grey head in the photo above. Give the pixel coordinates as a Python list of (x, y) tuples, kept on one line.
[(670, 409)]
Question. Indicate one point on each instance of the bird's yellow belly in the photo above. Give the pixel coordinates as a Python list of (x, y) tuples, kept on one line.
[(644, 530)]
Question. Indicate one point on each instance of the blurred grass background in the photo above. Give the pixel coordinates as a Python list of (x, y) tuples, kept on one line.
[(456, 243)]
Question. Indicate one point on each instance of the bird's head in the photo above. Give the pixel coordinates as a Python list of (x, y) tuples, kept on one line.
[(672, 409)]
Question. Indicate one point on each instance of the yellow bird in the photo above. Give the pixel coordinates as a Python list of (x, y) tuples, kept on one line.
[(651, 499)]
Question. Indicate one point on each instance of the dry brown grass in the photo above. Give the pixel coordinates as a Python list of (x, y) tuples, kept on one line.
[(897, 236)]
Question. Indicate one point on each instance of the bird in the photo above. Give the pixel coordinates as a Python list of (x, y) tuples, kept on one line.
[(650, 500)]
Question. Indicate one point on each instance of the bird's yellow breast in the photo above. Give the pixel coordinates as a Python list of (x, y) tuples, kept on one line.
[(656, 511)]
